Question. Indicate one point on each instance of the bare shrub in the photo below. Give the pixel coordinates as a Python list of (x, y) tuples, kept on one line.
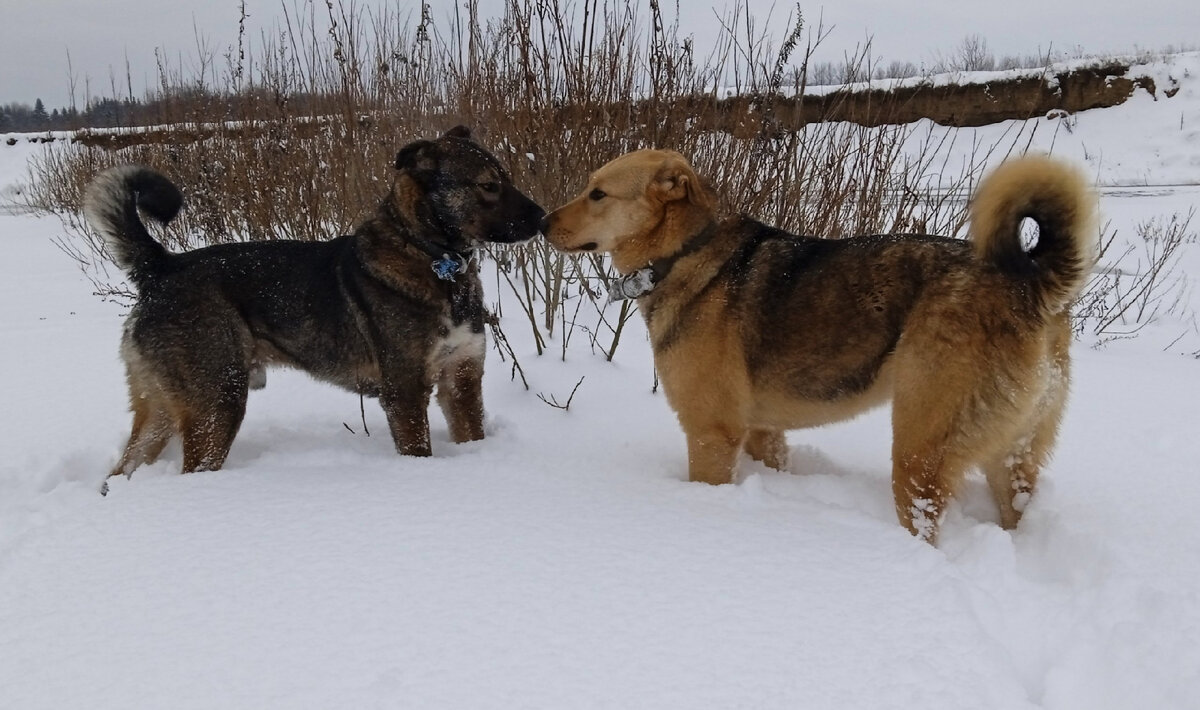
[(1141, 284)]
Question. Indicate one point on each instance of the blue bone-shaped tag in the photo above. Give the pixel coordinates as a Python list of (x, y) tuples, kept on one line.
[(449, 266)]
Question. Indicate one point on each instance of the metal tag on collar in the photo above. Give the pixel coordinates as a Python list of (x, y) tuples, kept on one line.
[(449, 266), (638, 283)]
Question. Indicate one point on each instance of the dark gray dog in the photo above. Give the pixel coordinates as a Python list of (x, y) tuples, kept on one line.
[(389, 311)]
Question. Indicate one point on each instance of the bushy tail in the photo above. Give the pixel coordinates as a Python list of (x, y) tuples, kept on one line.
[(1055, 196), (110, 205)]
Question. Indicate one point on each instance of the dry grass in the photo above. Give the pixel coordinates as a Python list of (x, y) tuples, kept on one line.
[(1139, 285), (297, 143)]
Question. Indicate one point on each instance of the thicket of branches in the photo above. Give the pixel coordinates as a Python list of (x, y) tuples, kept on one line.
[(555, 89), (294, 137)]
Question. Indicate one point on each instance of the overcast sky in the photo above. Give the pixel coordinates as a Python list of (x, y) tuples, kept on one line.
[(101, 35)]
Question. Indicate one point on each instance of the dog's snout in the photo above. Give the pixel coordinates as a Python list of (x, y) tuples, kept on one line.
[(535, 211), (544, 225)]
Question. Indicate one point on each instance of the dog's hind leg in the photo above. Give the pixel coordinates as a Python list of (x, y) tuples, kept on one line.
[(152, 426), (921, 484), (207, 438), (1012, 480), (1013, 475), (209, 423), (928, 456), (150, 433), (768, 446), (460, 396)]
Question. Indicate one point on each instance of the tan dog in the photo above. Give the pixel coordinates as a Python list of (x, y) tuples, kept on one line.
[(756, 331)]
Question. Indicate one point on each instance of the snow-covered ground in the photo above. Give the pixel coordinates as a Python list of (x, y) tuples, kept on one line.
[(564, 562)]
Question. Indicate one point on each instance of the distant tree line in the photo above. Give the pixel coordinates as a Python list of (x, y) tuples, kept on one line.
[(176, 105), (100, 113), (189, 103)]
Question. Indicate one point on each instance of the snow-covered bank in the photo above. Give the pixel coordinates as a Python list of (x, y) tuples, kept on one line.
[(1148, 140)]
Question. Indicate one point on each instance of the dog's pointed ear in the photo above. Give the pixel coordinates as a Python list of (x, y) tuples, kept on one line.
[(675, 180), (418, 155), (458, 132)]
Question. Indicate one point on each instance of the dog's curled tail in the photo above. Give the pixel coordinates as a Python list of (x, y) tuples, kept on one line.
[(1058, 198), (111, 203)]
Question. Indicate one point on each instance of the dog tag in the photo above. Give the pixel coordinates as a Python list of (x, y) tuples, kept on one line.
[(448, 266), (639, 283)]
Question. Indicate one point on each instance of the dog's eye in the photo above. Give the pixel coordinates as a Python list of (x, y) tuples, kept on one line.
[(492, 187), (597, 195)]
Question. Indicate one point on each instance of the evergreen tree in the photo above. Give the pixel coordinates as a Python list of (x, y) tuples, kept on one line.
[(40, 117)]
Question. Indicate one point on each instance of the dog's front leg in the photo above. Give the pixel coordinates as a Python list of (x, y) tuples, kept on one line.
[(405, 401), (712, 452), (460, 395)]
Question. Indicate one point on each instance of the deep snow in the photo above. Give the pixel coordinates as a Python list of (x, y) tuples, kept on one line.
[(564, 562)]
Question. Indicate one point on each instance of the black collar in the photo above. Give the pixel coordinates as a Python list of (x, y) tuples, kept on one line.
[(641, 282), (446, 262)]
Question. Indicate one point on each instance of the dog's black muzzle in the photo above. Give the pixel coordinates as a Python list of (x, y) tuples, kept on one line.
[(525, 224)]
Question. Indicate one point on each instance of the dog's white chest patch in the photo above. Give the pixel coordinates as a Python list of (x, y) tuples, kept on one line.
[(458, 343)]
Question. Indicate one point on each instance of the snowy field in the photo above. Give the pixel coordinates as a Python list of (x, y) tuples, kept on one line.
[(564, 562)]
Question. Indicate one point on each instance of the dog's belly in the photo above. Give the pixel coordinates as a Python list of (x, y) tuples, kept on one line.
[(350, 366), (354, 369), (776, 407)]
